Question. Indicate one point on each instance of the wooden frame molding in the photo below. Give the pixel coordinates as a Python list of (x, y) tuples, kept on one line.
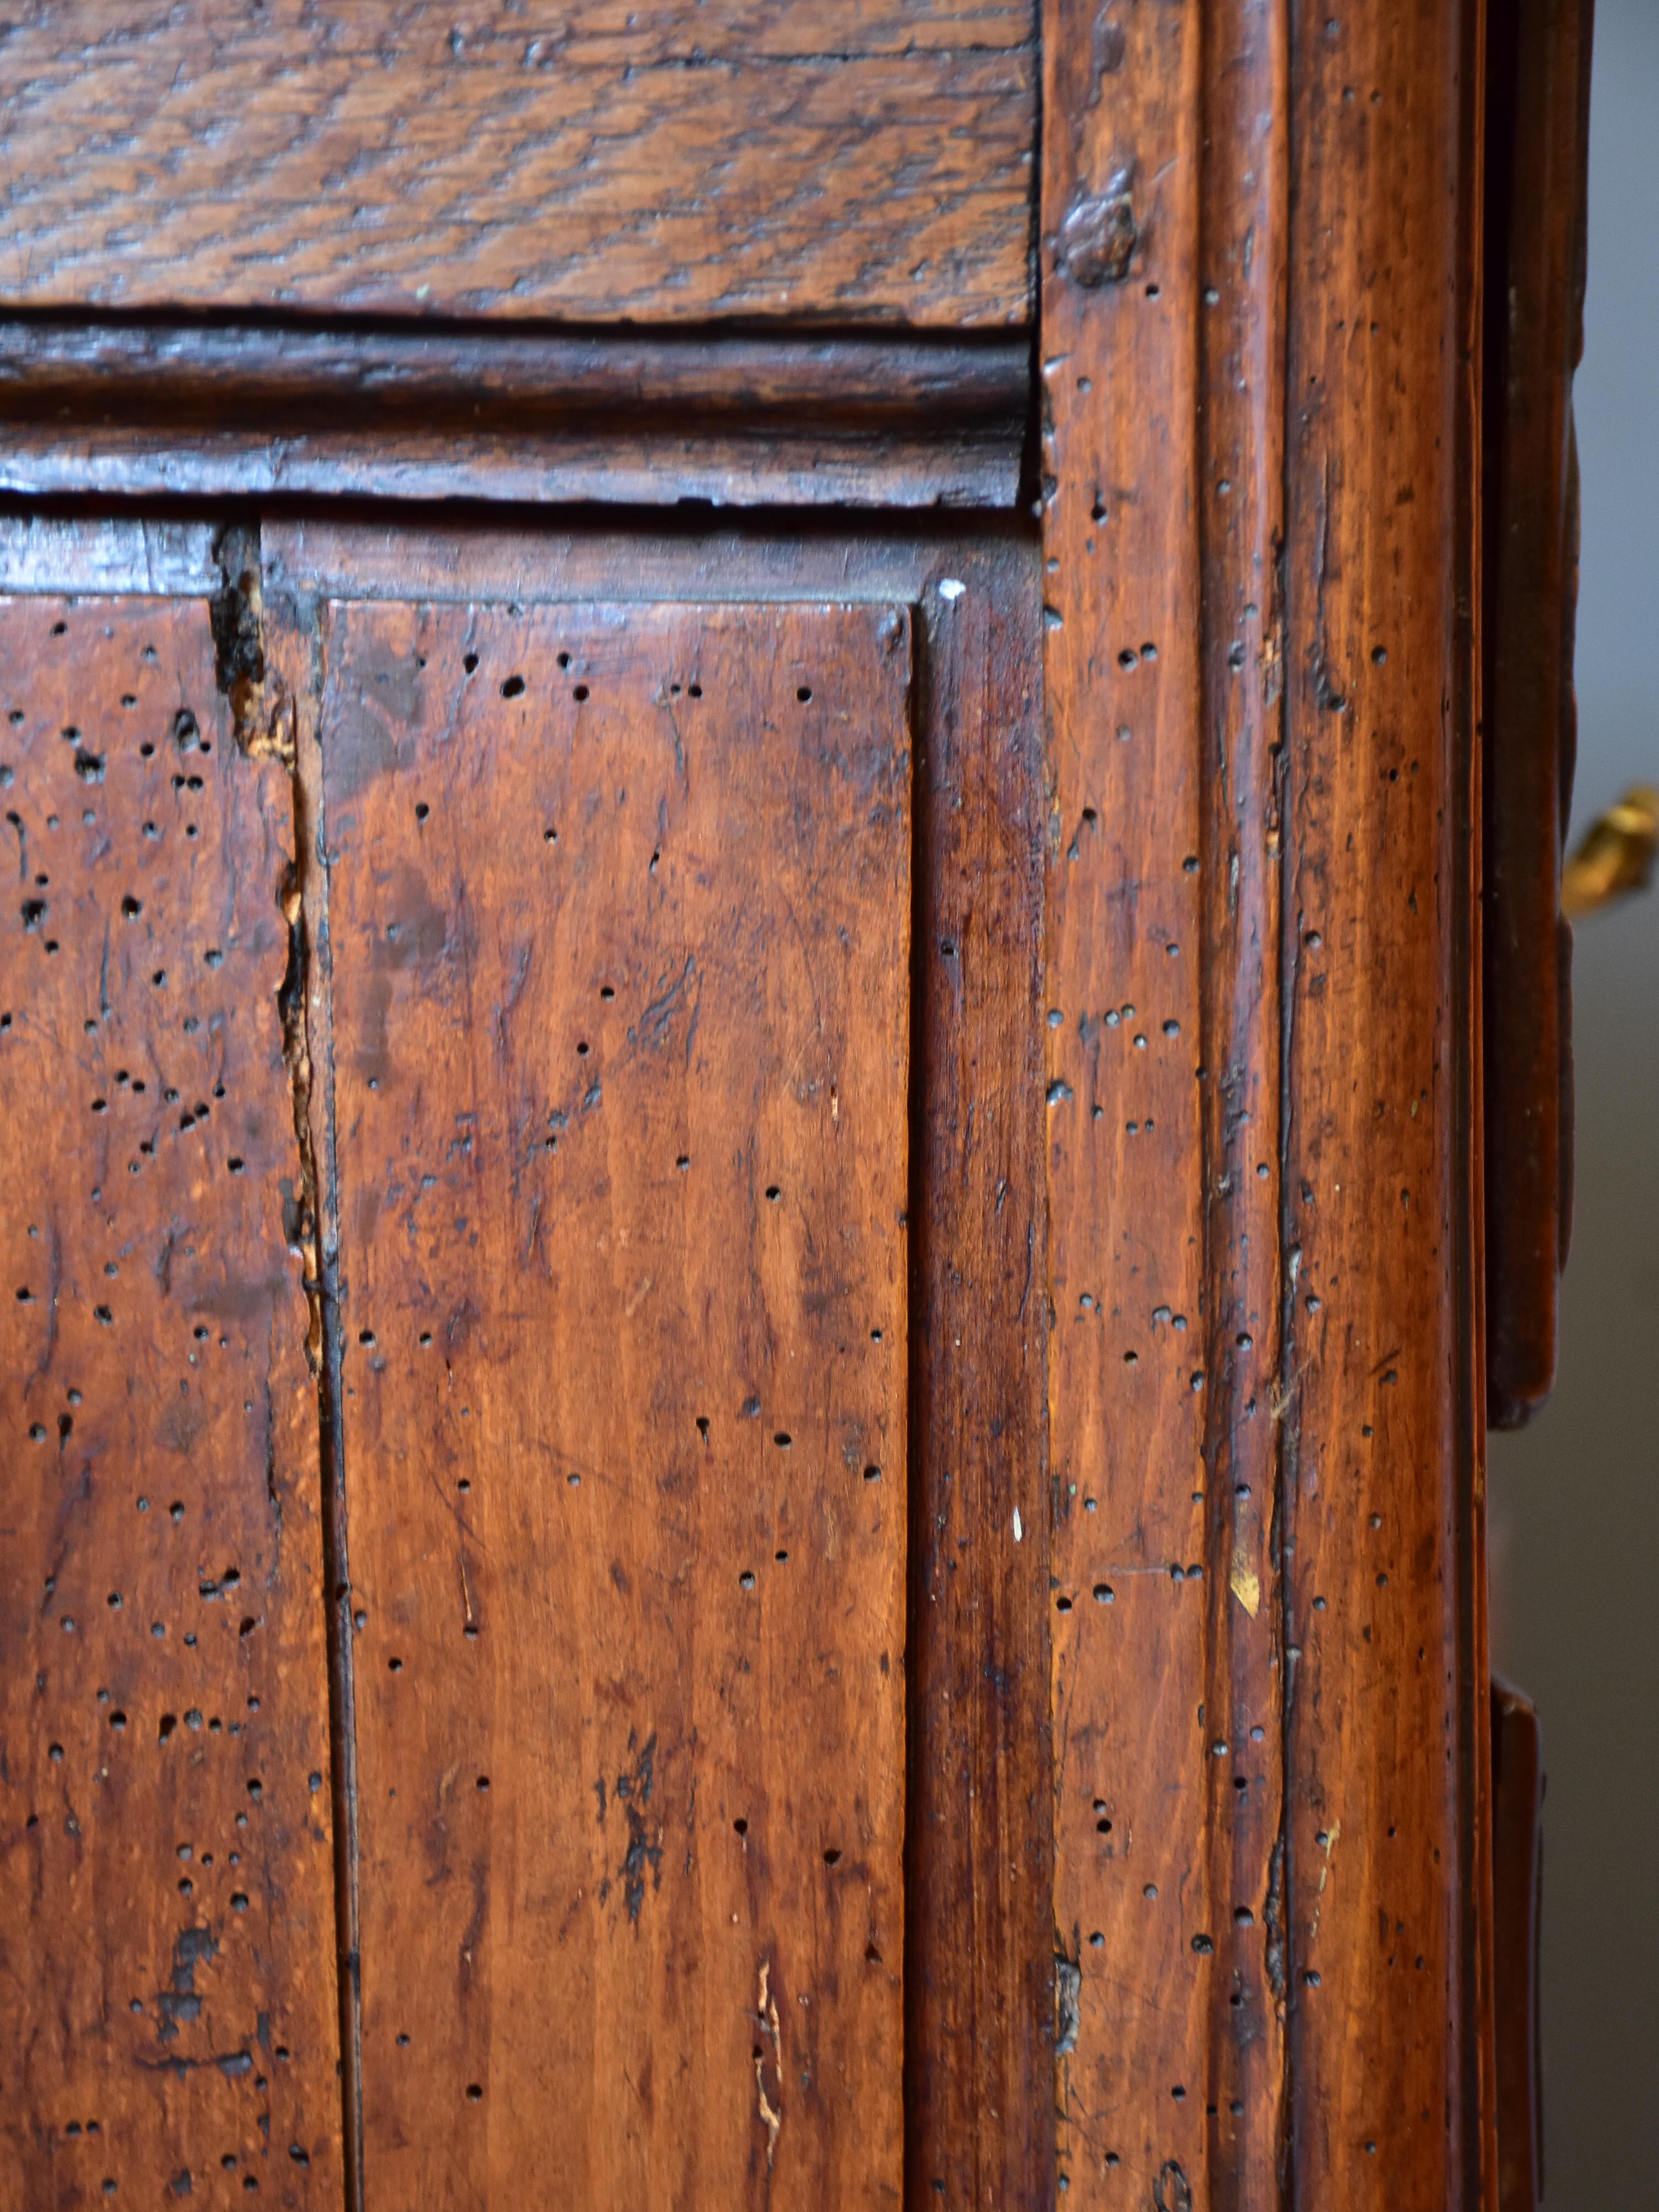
[(1259, 358), (213, 410)]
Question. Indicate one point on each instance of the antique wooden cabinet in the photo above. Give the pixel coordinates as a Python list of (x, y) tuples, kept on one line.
[(741, 1028)]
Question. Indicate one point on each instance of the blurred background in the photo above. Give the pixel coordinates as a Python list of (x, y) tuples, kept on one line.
[(1575, 1497)]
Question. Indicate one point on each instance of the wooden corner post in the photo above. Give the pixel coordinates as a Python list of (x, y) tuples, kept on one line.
[(1259, 366)]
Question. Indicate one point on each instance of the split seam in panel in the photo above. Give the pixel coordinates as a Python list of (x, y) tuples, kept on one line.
[(273, 654)]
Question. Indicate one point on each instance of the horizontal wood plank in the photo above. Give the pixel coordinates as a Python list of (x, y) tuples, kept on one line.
[(209, 411), (207, 374), (868, 160), (617, 467)]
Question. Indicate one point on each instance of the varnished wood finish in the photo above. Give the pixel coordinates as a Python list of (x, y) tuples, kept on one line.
[(209, 372), (1122, 1065), (1240, 522), (1163, 1177), (1260, 548), (621, 1156), (978, 1980), (1538, 109), (1383, 1494), (780, 467), (184, 410), (165, 1835), (978, 2079), (847, 160)]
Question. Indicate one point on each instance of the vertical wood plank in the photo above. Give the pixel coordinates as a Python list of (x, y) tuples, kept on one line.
[(979, 2007), (1384, 1568), (620, 912), (1135, 1912), (1275, 473), (166, 1896), (1242, 323)]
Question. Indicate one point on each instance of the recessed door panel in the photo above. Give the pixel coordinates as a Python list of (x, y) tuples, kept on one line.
[(618, 924)]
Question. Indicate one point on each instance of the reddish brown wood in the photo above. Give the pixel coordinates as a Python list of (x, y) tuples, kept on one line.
[(853, 160), (1538, 129), (165, 1835), (979, 2007), (1244, 225), (978, 1943), (1163, 669), (618, 913), (1252, 660), (1517, 1798), (1382, 1493)]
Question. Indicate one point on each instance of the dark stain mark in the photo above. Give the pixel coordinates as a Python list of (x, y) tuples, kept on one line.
[(366, 735), (236, 616), (1110, 47), (179, 2002), (417, 936), (633, 1793), (1328, 698), (658, 1018)]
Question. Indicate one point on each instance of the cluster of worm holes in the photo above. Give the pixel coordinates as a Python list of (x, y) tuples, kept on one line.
[(514, 686), (1091, 1304), (93, 1627)]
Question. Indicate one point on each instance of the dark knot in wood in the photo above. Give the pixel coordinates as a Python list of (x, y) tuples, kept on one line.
[(1098, 238)]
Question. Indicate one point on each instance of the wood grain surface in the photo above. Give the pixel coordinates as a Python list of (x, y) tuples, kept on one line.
[(1260, 363), (777, 467), (1145, 1938), (978, 1999), (978, 1947), (208, 373), (618, 909), (1383, 1494), (166, 1883), (853, 159)]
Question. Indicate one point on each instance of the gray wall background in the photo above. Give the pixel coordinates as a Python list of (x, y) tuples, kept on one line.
[(1575, 1497)]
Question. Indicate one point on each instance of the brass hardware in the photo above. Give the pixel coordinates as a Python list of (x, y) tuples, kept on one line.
[(1615, 855)]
